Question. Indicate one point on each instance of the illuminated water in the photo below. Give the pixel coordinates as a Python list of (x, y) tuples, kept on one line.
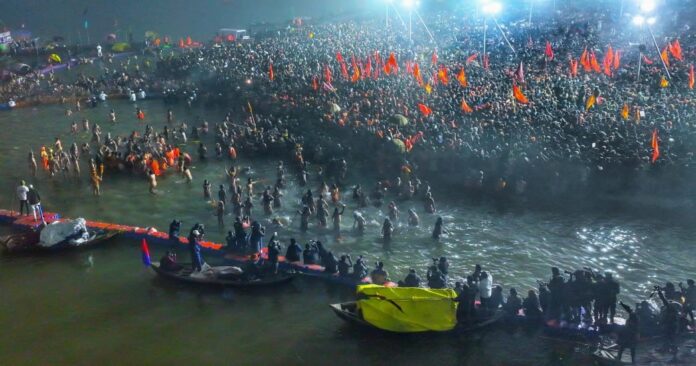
[(114, 311)]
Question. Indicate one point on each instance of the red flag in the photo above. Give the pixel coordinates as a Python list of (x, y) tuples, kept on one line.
[(465, 107), (433, 59), (181, 43), (548, 51), (442, 75), (189, 41), (485, 61), (573, 68), (424, 109), (461, 77), (368, 67), (356, 70), (517, 93), (647, 60), (692, 77), (471, 58), (394, 66), (315, 83), (655, 144), (344, 70), (271, 74), (608, 61), (594, 63), (585, 61), (327, 74), (675, 50), (617, 59), (339, 58)]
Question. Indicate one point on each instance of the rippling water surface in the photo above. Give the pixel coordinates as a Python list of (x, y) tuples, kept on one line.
[(91, 306)]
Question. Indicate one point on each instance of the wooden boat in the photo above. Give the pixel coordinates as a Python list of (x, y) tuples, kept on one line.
[(29, 242), (185, 275), (348, 312)]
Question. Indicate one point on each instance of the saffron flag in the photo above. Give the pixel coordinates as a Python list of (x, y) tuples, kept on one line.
[(344, 70), (675, 50), (590, 102), (665, 56), (664, 82), (608, 61), (315, 83), (428, 88), (442, 75), (471, 58), (655, 144), (519, 96), (465, 107), (617, 59), (585, 61), (573, 68), (394, 66), (692, 77), (548, 52), (625, 111), (647, 60), (461, 77), (356, 71), (368, 67), (417, 74), (145, 251), (424, 109), (594, 63), (271, 74), (519, 73)]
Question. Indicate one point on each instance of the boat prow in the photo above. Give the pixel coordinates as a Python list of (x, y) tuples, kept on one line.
[(187, 275)]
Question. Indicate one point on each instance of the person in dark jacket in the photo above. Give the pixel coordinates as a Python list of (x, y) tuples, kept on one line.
[(628, 334), (294, 252), (274, 249), (34, 200), (174, 229), (411, 280), (344, 265)]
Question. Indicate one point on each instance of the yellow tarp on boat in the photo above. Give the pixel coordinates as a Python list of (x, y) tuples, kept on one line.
[(407, 309)]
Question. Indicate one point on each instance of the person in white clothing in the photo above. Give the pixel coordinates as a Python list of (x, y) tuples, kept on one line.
[(485, 288), (99, 50), (22, 191)]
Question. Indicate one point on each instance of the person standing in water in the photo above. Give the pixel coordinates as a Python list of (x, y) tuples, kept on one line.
[(438, 230), (95, 178), (387, 230), (152, 179), (206, 190), (33, 167)]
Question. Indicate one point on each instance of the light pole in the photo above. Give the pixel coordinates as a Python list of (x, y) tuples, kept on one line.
[(409, 5), (388, 3), (488, 8)]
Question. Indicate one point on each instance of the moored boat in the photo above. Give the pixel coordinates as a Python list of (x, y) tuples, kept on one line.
[(223, 276)]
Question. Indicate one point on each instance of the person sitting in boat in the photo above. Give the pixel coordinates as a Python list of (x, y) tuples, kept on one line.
[(174, 229), (411, 279), (436, 279), (532, 309), (239, 234), (497, 300), (256, 237), (330, 263), (359, 268), (443, 265), (168, 262), (485, 289), (344, 265), (513, 304), (379, 275), (254, 267), (464, 309), (274, 249), (309, 255), (294, 252)]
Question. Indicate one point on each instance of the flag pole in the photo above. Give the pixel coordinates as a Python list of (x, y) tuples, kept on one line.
[(659, 54), (504, 36), (640, 62)]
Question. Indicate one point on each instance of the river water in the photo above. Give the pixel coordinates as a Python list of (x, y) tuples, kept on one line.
[(101, 306)]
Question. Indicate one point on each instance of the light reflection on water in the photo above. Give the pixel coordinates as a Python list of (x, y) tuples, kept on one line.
[(517, 248)]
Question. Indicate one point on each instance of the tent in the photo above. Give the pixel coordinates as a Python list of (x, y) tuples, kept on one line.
[(408, 309), (54, 57), (120, 47)]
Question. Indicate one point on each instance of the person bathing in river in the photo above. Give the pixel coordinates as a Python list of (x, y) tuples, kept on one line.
[(393, 212), (336, 218), (413, 219), (267, 201), (358, 222), (438, 230), (387, 230), (322, 215), (277, 194), (247, 206), (152, 179), (206, 190), (429, 203)]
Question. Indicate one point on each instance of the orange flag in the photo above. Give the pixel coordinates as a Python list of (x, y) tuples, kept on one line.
[(392, 62), (356, 71), (655, 144), (617, 59), (590, 102), (608, 61), (327, 74), (344, 70), (471, 58), (315, 83), (442, 75), (461, 77), (585, 61), (625, 112), (465, 107), (417, 74), (271, 74), (573, 68), (692, 77), (594, 63), (517, 93), (424, 109), (665, 56)]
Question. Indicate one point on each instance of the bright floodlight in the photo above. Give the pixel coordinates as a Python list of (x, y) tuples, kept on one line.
[(652, 20), (389, 1), (647, 6), (638, 20), (408, 4), (492, 8)]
